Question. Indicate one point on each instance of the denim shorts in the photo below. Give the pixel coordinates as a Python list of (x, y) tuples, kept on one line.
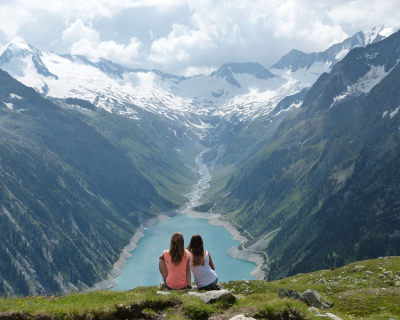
[(210, 286), (165, 282)]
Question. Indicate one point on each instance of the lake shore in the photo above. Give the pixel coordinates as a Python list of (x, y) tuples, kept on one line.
[(194, 198), (126, 254), (244, 254)]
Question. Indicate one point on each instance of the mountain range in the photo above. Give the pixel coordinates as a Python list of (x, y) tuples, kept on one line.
[(303, 157), (324, 190)]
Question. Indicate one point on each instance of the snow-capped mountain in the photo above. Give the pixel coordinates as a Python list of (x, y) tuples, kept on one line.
[(330, 170), (296, 59), (240, 90), (243, 89)]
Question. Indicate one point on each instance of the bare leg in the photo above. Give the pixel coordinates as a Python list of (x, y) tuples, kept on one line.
[(162, 266)]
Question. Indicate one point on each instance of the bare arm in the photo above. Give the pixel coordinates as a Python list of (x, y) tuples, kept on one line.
[(211, 262), (162, 266), (188, 275)]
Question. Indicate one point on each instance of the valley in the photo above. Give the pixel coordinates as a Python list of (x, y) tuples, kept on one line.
[(300, 159)]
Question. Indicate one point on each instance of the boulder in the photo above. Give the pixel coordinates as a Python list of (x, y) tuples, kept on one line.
[(332, 316), (241, 317), (312, 298), (327, 305), (162, 293), (293, 294), (296, 295), (214, 295), (358, 268), (282, 293)]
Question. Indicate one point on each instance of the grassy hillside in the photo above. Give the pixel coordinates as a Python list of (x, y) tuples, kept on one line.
[(368, 290)]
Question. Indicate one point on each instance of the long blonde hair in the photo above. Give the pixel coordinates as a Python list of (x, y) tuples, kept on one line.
[(196, 247), (176, 248)]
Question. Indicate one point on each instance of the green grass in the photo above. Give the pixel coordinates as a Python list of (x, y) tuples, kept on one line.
[(359, 291)]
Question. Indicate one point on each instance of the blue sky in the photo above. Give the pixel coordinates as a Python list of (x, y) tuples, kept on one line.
[(189, 36)]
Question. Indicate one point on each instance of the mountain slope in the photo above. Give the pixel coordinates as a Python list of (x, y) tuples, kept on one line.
[(327, 181), (70, 199)]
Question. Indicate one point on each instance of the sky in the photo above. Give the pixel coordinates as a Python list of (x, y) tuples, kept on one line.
[(189, 37)]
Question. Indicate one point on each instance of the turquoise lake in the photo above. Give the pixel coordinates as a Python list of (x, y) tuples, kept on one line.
[(142, 268)]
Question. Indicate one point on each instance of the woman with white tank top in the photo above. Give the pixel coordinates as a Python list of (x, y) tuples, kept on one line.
[(202, 265)]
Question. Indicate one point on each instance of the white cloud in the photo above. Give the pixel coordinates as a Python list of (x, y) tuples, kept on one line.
[(18, 13), (179, 44), (77, 31), (214, 32), (235, 30), (361, 15), (12, 16), (193, 71), (84, 40)]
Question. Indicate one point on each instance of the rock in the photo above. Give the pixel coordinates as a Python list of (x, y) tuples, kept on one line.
[(312, 298), (333, 316), (358, 268), (296, 295), (369, 272), (241, 317), (313, 310), (163, 293), (282, 293), (214, 295), (388, 274), (327, 305)]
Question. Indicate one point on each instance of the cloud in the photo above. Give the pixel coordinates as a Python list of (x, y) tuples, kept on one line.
[(85, 40), (179, 44), (225, 31), (192, 71), (362, 15), (12, 18), (18, 13), (213, 32), (77, 31)]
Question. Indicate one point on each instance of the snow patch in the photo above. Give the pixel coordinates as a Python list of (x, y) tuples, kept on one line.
[(369, 80), (9, 105), (18, 44), (386, 32), (338, 98), (340, 55), (384, 114), (15, 96), (394, 112), (363, 85)]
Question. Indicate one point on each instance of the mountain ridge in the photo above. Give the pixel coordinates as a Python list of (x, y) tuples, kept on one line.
[(322, 162)]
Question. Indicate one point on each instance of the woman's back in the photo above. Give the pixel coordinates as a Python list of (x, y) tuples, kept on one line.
[(177, 278), (203, 274)]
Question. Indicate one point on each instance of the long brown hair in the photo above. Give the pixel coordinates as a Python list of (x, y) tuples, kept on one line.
[(176, 248), (196, 247)]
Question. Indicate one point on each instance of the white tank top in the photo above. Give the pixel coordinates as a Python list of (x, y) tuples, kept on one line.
[(203, 275)]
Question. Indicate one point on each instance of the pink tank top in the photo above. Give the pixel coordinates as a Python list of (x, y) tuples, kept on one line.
[(177, 272)]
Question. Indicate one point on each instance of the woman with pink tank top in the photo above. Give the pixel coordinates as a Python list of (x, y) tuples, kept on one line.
[(174, 264), (202, 265)]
